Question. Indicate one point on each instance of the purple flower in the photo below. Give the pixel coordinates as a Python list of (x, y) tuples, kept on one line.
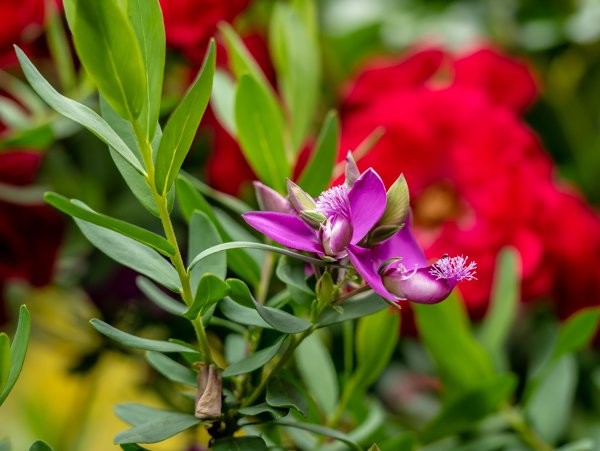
[(397, 270), (339, 217)]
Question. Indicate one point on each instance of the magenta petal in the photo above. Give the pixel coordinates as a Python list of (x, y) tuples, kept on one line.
[(402, 244), (424, 288), (367, 202), (362, 260), (285, 229)]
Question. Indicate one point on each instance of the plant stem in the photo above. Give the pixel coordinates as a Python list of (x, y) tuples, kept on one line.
[(265, 278), (515, 418), (350, 295), (177, 260)]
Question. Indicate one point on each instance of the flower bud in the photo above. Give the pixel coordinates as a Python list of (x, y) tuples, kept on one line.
[(352, 172), (300, 199), (313, 218), (210, 392), (397, 204), (336, 234), (381, 233), (270, 200)]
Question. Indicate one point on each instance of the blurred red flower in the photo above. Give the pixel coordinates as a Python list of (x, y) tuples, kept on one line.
[(479, 177), (22, 22), (30, 236), (189, 24)]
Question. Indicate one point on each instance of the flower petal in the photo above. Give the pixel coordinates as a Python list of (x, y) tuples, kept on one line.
[(362, 260), (424, 288), (270, 200), (367, 202), (402, 244), (285, 229)]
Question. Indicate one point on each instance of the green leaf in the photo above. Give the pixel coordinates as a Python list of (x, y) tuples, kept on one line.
[(132, 447), (352, 309), (256, 360), (245, 443), (40, 137), (313, 361), (132, 254), (183, 123), (4, 359), (503, 308), (278, 319), (549, 409), (171, 369), (151, 425), (462, 362), (260, 132), (406, 441), (227, 201), (251, 245), (319, 170), (223, 100), (40, 446), (190, 200), (283, 392), (577, 332), (242, 315), (376, 339), (77, 112), (18, 350), (211, 290), (132, 341), (320, 430), (5, 445), (108, 49), (241, 61), (298, 68), (462, 412), (147, 21), (293, 273), (80, 210), (158, 297), (263, 408), (203, 235)]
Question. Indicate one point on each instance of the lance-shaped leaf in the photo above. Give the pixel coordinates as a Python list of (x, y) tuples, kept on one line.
[(78, 209), (159, 298), (211, 290), (202, 235), (132, 254), (18, 350), (256, 360), (318, 172), (241, 61), (4, 359), (222, 100), (171, 369), (283, 392), (260, 128), (40, 446), (183, 123), (133, 341), (76, 112), (108, 49), (147, 20)]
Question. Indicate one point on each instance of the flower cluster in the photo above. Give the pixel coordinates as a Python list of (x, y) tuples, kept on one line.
[(359, 222)]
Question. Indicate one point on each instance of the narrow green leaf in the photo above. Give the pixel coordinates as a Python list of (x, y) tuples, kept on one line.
[(293, 274), (203, 235), (256, 360), (227, 201), (241, 61), (76, 112), (245, 443), (147, 21), (278, 319), (164, 425), (132, 254), (242, 315), (282, 392), (183, 123), (4, 359), (40, 446), (260, 128), (134, 413), (211, 290), (18, 350), (319, 170), (132, 341), (445, 330), (318, 373), (352, 309), (159, 298), (171, 369), (503, 308), (577, 331), (223, 100), (80, 210), (263, 408), (108, 49), (320, 430)]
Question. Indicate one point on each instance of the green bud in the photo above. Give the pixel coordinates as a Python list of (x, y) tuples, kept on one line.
[(325, 289), (313, 218), (352, 172), (382, 233), (299, 198), (397, 206)]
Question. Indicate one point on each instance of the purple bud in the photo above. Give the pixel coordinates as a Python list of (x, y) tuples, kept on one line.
[(336, 234), (210, 392), (270, 200)]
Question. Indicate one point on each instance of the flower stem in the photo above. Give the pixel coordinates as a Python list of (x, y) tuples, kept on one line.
[(177, 260), (515, 419)]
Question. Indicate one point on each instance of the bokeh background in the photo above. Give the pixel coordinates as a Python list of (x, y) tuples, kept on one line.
[(491, 110)]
